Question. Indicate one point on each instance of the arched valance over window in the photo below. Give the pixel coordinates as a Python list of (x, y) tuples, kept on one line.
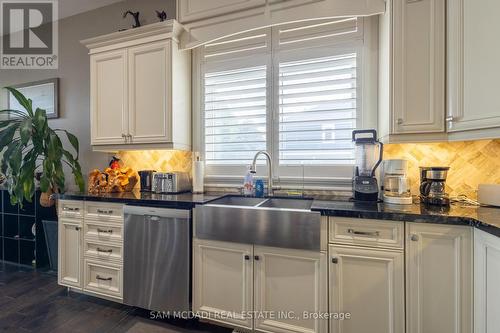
[(209, 24)]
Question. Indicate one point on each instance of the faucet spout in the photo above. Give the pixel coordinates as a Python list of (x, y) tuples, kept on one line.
[(269, 169)]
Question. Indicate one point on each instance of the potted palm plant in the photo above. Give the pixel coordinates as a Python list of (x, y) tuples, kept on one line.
[(29, 145)]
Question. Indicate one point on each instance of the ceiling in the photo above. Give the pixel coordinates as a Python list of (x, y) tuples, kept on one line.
[(72, 7)]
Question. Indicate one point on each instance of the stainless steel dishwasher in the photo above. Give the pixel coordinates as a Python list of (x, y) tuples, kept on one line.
[(156, 258)]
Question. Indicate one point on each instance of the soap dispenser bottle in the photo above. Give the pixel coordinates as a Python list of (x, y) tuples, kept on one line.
[(248, 185)]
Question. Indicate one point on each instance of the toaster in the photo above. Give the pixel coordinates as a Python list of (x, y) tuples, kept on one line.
[(171, 182)]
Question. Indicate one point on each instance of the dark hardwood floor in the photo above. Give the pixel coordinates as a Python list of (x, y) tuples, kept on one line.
[(32, 301)]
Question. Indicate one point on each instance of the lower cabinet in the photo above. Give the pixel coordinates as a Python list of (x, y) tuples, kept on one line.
[(223, 281), (261, 288), (486, 282), (70, 253), (291, 284), (368, 284), (90, 248), (438, 278)]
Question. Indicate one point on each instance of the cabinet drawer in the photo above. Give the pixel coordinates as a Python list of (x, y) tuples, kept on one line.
[(104, 252), (103, 279), (111, 232), (70, 209), (99, 211), (366, 232)]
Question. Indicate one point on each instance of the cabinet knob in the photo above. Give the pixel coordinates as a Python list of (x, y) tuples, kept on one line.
[(335, 260), (414, 238), (77, 228), (247, 257), (400, 121), (256, 258)]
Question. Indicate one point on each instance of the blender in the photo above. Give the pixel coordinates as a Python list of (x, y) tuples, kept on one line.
[(368, 155)]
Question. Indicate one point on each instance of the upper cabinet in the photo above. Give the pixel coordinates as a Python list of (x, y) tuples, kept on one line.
[(412, 70), (140, 89), (214, 19), (473, 69)]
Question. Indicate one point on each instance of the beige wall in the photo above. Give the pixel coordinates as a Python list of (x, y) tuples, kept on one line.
[(74, 68)]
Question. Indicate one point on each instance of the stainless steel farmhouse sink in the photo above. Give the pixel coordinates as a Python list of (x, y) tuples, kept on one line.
[(278, 222)]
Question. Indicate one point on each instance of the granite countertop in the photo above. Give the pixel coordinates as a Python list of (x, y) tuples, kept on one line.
[(484, 218), (181, 200)]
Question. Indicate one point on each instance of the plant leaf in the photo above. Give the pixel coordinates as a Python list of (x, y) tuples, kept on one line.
[(25, 103), (74, 142), (6, 136), (44, 183), (25, 130)]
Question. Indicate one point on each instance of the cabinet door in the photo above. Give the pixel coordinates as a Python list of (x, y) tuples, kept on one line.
[(486, 286), (438, 278), (223, 281), (193, 10), (150, 115), (289, 283), (70, 253), (473, 65), (368, 284), (418, 66), (108, 98)]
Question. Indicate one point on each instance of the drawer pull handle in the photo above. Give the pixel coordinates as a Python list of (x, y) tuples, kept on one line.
[(102, 211), (105, 251), (109, 231), (364, 233), (103, 279), (71, 209)]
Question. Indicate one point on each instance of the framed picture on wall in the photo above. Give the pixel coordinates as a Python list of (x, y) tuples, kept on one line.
[(44, 94)]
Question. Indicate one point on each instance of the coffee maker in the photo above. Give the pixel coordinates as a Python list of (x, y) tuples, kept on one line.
[(395, 182), (433, 186), (368, 154)]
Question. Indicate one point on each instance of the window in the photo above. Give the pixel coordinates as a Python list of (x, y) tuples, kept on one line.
[(293, 90)]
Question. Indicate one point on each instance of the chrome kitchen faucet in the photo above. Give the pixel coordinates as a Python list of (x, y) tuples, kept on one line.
[(269, 170)]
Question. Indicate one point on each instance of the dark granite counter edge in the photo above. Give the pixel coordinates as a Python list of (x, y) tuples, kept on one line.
[(412, 217)]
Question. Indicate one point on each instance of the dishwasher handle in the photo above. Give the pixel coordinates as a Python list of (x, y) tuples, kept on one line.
[(157, 213)]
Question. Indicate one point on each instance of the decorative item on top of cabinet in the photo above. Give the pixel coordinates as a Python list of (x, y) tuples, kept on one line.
[(438, 278), (134, 101), (135, 15), (214, 19), (162, 16), (412, 71), (473, 68)]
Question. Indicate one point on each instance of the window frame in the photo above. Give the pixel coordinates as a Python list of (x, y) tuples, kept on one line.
[(324, 177)]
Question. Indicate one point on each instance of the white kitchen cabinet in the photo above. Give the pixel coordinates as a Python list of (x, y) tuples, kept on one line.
[(486, 286), (223, 281), (277, 284), (368, 284), (70, 253), (90, 247), (412, 70), (438, 278), (293, 282), (140, 89), (108, 74), (473, 69)]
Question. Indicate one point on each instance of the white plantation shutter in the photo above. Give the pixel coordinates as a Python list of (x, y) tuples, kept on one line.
[(293, 90), (317, 110), (235, 115)]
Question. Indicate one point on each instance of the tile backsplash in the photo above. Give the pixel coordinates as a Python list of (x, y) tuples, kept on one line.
[(471, 162), (159, 160)]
